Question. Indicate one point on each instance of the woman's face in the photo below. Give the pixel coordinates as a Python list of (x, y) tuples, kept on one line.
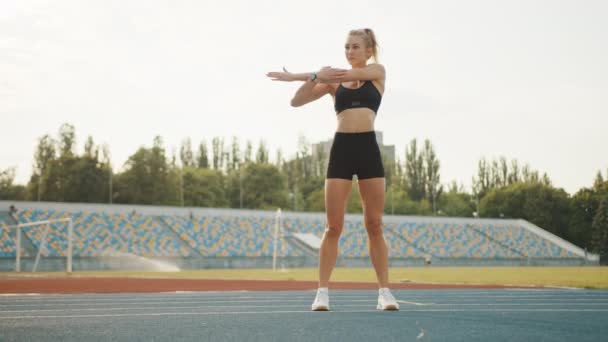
[(355, 51)]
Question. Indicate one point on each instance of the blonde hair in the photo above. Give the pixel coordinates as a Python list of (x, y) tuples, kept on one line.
[(369, 38)]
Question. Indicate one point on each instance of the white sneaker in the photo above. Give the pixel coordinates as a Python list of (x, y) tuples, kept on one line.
[(321, 302), (386, 301)]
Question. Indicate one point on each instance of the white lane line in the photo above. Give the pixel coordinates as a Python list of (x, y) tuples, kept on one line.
[(181, 308), (181, 302), (507, 310), (87, 296), (92, 299), (190, 314), (277, 306), (289, 305), (417, 297), (219, 313), (300, 300), (531, 295), (515, 304), (414, 303)]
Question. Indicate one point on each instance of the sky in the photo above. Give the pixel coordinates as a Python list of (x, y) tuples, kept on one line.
[(527, 80)]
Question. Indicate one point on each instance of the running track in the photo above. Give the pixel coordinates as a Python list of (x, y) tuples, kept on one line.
[(425, 315)]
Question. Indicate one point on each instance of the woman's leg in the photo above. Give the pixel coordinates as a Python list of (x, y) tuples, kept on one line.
[(336, 195), (372, 198)]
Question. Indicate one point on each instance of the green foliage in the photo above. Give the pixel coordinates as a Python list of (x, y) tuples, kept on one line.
[(202, 158), (9, 190), (422, 177), (186, 155), (262, 156), (456, 204), (497, 173), (583, 206), (68, 177), (415, 172), (599, 235), (316, 200), (204, 188), (262, 185), (538, 203), (233, 177), (148, 178)]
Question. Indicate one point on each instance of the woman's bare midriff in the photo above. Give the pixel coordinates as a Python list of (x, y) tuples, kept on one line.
[(356, 120)]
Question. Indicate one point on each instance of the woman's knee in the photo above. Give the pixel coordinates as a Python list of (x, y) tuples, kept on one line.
[(333, 230), (373, 225)]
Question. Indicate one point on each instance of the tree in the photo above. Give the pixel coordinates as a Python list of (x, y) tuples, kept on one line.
[(431, 171), (216, 148), (204, 188), (9, 190), (264, 187), (583, 207), (235, 156), (262, 154), (319, 162), (186, 155), (456, 202), (148, 178), (202, 159), (599, 180), (44, 155), (538, 203), (599, 236), (316, 200), (248, 152), (415, 173), (279, 159), (398, 202), (89, 149), (496, 174), (67, 140)]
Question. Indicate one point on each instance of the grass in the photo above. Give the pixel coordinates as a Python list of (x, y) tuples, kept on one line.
[(581, 277)]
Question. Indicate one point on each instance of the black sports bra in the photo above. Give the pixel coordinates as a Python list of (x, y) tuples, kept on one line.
[(366, 96)]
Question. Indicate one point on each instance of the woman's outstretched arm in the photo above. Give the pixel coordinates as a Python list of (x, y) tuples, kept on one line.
[(310, 90)]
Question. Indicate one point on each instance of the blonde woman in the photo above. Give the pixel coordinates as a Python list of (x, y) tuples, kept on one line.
[(357, 93)]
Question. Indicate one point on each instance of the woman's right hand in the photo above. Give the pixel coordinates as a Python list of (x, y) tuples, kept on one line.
[(330, 75), (284, 76)]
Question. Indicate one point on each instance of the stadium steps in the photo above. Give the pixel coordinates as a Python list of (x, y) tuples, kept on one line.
[(395, 232), (301, 246), (26, 243), (163, 224), (500, 243)]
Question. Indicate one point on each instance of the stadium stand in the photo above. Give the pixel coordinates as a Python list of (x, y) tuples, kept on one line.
[(103, 230)]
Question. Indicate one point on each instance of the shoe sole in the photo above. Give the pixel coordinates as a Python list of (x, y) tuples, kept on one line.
[(388, 307), (321, 308)]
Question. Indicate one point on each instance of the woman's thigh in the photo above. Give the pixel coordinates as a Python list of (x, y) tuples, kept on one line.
[(372, 200), (337, 191)]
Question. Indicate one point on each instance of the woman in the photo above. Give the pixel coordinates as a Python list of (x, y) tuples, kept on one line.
[(357, 94)]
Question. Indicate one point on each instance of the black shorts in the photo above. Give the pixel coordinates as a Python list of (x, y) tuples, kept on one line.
[(355, 154)]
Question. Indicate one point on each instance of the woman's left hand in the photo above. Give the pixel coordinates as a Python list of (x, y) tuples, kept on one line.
[(284, 76)]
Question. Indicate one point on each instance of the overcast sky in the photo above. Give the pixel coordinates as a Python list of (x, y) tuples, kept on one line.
[(522, 79)]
